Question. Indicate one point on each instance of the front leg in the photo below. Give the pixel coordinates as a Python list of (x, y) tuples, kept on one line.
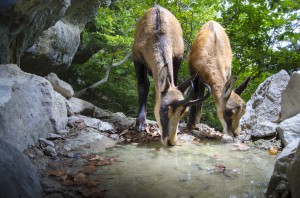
[(176, 66), (143, 90)]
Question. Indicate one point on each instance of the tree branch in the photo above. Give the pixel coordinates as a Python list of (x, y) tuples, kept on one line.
[(105, 78)]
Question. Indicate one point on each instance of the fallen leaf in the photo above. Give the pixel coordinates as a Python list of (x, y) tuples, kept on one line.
[(80, 178), (68, 182), (273, 151), (97, 157), (104, 162), (88, 169), (92, 183), (57, 173), (217, 156), (124, 132), (92, 192), (242, 147)]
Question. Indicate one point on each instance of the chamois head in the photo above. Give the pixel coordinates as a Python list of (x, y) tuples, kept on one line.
[(231, 107), (172, 106)]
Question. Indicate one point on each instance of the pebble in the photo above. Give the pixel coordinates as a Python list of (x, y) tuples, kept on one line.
[(53, 136), (50, 151), (44, 143)]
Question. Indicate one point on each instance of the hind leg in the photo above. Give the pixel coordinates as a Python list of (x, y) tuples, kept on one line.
[(143, 90), (195, 111)]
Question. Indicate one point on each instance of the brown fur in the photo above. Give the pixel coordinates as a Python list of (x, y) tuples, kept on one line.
[(158, 42), (210, 57)]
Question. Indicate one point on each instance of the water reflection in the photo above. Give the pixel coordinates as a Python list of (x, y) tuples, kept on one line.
[(206, 169)]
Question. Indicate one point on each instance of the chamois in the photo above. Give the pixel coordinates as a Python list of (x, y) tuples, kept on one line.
[(210, 57), (158, 51)]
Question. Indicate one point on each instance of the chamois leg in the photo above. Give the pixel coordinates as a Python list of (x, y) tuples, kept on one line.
[(176, 67), (143, 90), (195, 111)]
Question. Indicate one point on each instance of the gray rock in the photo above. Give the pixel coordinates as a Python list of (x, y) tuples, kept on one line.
[(53, 51), (78, 106), (93, 123), (291, 97), (289, 129), (59, 112), (44, 143), (18, 177), (60, 86), (53, 136), (88, 140), (279, 184), (50, 151), (293, 173), (22, 22), (29, 107), (264, 107), (56, 47)]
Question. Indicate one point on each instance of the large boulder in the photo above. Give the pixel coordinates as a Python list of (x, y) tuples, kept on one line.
[(60, 86), (56, 47), (264, 107), (279, 186), (18, 177), (23, 21), (29, 107), (289, 130), (293, 174), (291, 97)]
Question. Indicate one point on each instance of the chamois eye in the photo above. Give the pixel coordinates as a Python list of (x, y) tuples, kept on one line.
[(228, 113)]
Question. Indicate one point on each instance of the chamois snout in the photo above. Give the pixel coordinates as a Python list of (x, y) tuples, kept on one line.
[(169, 115)]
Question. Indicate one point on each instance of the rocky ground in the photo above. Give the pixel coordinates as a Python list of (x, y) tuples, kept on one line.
[(65, 160)]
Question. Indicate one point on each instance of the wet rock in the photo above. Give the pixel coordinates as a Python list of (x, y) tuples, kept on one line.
[(279, 185), (60, 86), (29, 107), (291, 97), (18, 177), (289, 129), (264, 107)]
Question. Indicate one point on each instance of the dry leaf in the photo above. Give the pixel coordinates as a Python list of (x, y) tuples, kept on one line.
[(57, 173), (97, 157), (80, 178), (92, 183), (89, 169), (273, 151), (68, 182), (124, 132), (104, 162), (92, 192)]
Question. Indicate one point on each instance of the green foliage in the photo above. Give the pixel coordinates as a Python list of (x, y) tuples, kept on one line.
[(264, 37)]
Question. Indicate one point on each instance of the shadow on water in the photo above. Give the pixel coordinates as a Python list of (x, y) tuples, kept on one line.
[(206, 169)]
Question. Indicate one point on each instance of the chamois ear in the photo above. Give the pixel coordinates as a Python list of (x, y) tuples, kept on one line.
[(239, 90), (163, 81), (228, 88)]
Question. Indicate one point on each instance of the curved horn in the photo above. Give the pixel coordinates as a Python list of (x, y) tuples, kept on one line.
[(184, 101), (183, 86), (200, 100)]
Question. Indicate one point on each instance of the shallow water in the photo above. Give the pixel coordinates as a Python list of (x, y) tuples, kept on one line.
[(189, 170)]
